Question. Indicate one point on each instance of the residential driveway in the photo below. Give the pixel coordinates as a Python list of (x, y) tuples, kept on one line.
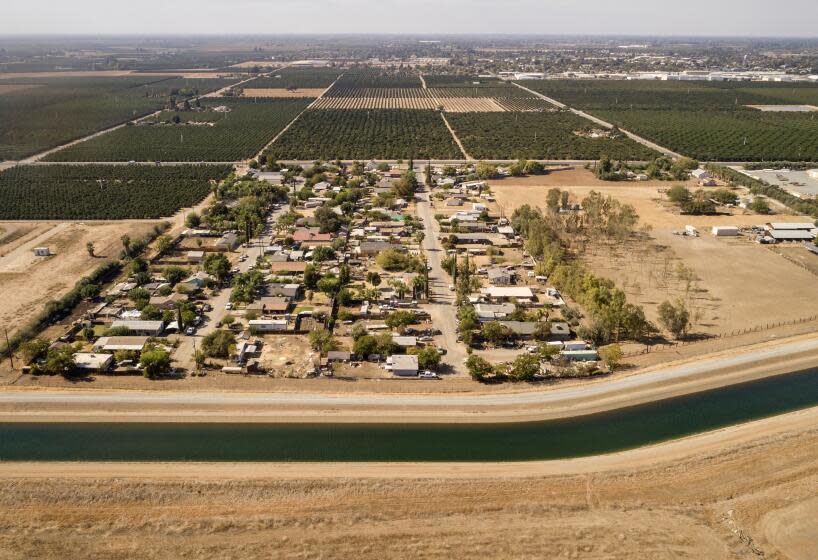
[(441, 308), (183, 354)]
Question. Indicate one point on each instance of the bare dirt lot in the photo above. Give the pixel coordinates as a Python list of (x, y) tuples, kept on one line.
[(729, 284), (282, 92), (735, 503), (27, 282)]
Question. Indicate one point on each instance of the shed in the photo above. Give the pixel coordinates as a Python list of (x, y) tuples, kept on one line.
[(725, 231)]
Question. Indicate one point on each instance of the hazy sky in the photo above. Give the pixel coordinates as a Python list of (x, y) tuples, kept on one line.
[(548, 17)]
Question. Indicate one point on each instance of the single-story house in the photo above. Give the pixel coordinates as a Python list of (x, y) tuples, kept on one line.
[(403, 365), (338, 356), (268, 325), (289, 291), (195, 256), (508, 292), (560, 331), (227, 242), (93, 362), (117, 343), (491, 312), (311, 235), (580, 355), (454, 202), (146, 328), (371, 248), (405, 341), (522, 329), (499, 276), (269, 305), (168, 302)]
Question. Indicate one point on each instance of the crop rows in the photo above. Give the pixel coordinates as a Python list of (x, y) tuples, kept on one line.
[(365, 134), (503, 91), (376, 103), (367, 77), (296, 78), (58, 110), (535, 135), (726, 136), (103, 192), (207, 135), (384, 93), (456, 81), (705, 120), (525, 104)]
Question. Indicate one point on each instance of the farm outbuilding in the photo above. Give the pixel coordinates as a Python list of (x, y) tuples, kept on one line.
[(725, 231)]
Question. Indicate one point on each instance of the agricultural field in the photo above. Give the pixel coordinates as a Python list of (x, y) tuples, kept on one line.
[(37, 114), (364, 134), (457, 100), (225, 130), (279, 92), (103, 192), (459, 80), (539, 135), (379, 78), (705, 120), (297, 78)]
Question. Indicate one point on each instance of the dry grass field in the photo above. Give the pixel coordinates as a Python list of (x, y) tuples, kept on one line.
[(8, 88), (729, 284), (28, 282), (749, 501), (283, 92)]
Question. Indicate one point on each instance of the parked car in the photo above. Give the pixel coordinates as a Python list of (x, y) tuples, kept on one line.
[(428, 375), (190, 331), (228, 306)]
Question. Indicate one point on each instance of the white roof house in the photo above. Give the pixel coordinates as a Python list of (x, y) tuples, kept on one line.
[(149, 328), (405, 341), (505, 292), (115, 343), (93, 362), (403, 365), (268, 325)]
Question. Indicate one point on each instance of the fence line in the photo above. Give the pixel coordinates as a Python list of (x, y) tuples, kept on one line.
[(738, 332)]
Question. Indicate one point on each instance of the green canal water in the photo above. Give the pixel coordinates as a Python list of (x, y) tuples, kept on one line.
[(554, 439)]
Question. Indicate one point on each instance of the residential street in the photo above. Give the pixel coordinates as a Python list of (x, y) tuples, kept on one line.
[(441, 308)]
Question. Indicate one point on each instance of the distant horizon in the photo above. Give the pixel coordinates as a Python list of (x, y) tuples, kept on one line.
[(792, 19)]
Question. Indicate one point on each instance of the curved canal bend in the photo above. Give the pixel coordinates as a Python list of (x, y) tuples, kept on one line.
[(595, 434)]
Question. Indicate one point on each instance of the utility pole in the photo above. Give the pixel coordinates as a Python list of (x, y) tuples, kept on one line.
[(8, 348)]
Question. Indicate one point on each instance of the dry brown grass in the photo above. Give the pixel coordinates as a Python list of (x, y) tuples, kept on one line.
[(8, 88), (734, 283)]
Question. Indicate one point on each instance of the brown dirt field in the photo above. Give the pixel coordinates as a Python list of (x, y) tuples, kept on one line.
[(451, 105), (738, 284), (729, 504), (282, 92), (28, 282)]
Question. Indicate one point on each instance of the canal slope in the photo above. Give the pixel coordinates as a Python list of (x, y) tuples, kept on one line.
[(590, 397)]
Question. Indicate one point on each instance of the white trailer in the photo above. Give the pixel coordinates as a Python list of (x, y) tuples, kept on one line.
[(725, 231)]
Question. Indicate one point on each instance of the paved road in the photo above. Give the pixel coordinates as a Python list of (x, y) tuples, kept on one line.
[(631, 135), (603, 389), (183, 355), (443, 313)]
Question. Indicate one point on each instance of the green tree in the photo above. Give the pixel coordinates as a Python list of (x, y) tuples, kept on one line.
[(219, 344), (495, 333), (428, 357), (611, 355), (759, 206), (525, 367), (478, 367), (90, 248), (322, 341), (365, 346), (34, 349), (399, 320), (154, 362), (217, 264), (175, 274), (674, 317), (193, 220)]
